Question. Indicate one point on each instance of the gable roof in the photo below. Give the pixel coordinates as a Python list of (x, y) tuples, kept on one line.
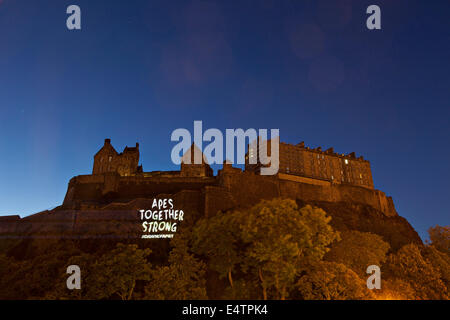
[(107, 146), (189, 155)]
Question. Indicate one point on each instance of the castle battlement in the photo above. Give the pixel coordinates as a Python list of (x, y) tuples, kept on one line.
[(329, 151)]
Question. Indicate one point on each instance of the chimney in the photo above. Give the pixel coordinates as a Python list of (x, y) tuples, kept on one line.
[(137, 145), (107, 141)]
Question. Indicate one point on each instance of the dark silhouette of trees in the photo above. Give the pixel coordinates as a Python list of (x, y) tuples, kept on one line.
[(183, 278), (218, 240), (269, 243), (273, 250), (440, 238), (332, 281), (358, 250), (409, 265)]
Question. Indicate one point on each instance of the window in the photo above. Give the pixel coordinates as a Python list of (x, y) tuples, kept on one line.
[(110, 158), (346, 161)]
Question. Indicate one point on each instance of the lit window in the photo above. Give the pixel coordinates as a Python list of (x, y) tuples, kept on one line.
[(360, 175), (346, 161)]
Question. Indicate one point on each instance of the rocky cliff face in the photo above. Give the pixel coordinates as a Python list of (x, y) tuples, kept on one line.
[(121, 223)]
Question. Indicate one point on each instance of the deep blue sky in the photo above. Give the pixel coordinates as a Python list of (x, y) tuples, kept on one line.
[(140, 69)]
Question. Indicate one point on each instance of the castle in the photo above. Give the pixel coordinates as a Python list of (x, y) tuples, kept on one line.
[(308, 165), (304, 173)]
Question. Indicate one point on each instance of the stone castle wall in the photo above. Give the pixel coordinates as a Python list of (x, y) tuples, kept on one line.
[(248, 189), (99, 190), (231, 188)]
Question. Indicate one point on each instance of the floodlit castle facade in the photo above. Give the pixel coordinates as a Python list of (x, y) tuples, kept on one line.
[(304, 173)]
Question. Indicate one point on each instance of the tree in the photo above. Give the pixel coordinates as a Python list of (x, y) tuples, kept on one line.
[(182, 279), (117, 271), (217, 239), (243, 289), (332, 281), (281, 238), (37, 277), (395, 289), (440, 261), (87, 263), (440, 238), (358, 250), (409, 265), (8, 269)]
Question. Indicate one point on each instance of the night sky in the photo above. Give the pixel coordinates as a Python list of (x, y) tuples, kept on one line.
[(140, 69)]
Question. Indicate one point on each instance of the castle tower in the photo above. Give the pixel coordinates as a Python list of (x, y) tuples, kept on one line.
[(191, 169), (103, 159), (107, 160), (128, 160)]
